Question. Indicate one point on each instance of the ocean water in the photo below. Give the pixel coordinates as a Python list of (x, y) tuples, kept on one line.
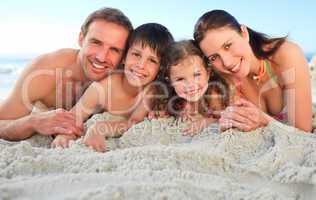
[(11, 68)]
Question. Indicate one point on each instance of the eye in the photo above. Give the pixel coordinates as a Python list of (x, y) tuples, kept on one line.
[(213, 58), (197, 74), (116, 50), (227, 46), (95, 41), (135, 54), (179, 79), (153, 61)]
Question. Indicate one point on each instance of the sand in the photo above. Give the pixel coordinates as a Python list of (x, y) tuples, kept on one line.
[(154, 161)]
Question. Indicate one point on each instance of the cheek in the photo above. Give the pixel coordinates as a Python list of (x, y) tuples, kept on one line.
[(154, 71), (179, 89)]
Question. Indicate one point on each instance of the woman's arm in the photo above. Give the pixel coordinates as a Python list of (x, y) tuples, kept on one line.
[(296, 78)]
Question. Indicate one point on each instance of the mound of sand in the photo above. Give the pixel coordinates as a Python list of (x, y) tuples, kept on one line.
[(154, 161)]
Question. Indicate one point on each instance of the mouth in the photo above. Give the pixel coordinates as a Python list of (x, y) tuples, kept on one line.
[(137, 74), (194, 92), (237, 67), (98, 68)]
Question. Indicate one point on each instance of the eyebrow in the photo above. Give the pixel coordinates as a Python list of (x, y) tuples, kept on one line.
[(152, 57)]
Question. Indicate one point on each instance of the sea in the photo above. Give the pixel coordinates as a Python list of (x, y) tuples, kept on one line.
[(11, 68)]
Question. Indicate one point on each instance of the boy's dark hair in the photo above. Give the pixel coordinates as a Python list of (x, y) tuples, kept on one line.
[(158, 38), (155, 36), (219, 18), (110, 15)]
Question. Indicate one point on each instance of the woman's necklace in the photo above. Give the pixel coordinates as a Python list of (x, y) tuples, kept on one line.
[(262, 72)]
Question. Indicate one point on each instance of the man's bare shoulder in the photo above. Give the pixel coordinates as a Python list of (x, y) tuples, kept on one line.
[(62, 58)]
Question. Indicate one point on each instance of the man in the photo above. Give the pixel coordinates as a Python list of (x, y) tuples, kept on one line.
[(58, 79)]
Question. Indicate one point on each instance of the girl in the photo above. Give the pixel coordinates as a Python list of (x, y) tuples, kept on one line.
[(194, 89), (271, 73)]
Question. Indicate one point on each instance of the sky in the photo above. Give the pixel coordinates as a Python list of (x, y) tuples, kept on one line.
[(33, 27)]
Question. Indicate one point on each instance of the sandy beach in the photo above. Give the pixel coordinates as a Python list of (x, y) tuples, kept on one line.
[(154, 161)]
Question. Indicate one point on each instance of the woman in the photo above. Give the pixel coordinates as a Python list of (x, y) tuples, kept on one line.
[(271, 74)]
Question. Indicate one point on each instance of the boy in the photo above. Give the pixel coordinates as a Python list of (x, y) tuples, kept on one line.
[(132, 88)]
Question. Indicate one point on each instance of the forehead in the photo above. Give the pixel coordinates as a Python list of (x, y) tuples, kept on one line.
[(189, 64), (108, 32), (214, 39), (143, 47)]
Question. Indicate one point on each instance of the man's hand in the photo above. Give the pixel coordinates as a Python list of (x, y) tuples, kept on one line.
[(57, 121)]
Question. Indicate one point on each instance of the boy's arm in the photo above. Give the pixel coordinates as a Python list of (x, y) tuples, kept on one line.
[(117, 128), (93, 98)]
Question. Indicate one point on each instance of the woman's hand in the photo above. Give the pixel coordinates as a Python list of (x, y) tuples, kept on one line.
[(244, 116)]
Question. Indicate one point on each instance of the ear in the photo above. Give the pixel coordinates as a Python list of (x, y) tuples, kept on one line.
[(123, 61), (80, 39), (244, 32)]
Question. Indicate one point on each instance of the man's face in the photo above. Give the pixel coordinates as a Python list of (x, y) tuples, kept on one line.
[(102, 48)]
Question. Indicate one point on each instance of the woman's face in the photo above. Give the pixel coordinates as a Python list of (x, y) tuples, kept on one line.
[(189, 78), (228, 51)]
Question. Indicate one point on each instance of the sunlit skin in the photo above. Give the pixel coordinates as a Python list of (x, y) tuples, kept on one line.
[(141, 65), (122, 94), (57, 80), (102, 48), (229, 53), (189, 78)]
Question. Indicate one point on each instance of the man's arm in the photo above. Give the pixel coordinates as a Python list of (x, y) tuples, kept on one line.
[(16, 120)]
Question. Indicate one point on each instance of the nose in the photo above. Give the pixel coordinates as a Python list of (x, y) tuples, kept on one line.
[(102, 54), (141, 63), (227, 60), (190, 85)]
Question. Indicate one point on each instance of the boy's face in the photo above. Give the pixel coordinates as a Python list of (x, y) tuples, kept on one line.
[(189, 78), (102, 48), (141, 65)]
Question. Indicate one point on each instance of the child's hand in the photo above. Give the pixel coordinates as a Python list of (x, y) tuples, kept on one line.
[(62, 141), (185, 116), (155, 114), (95, 139), (197, 126)]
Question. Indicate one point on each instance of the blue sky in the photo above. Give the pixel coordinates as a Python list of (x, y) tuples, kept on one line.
[(33, 27)]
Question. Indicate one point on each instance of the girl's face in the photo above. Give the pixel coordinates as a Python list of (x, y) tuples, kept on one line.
[(190, 78), (141, 65), (228, 51)]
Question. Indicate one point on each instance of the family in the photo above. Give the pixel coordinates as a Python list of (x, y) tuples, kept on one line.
[(227, 74)]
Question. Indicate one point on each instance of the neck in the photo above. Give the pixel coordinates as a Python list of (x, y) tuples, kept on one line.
[(130, 89), (77, 70), (192, 107), (255, 67)]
